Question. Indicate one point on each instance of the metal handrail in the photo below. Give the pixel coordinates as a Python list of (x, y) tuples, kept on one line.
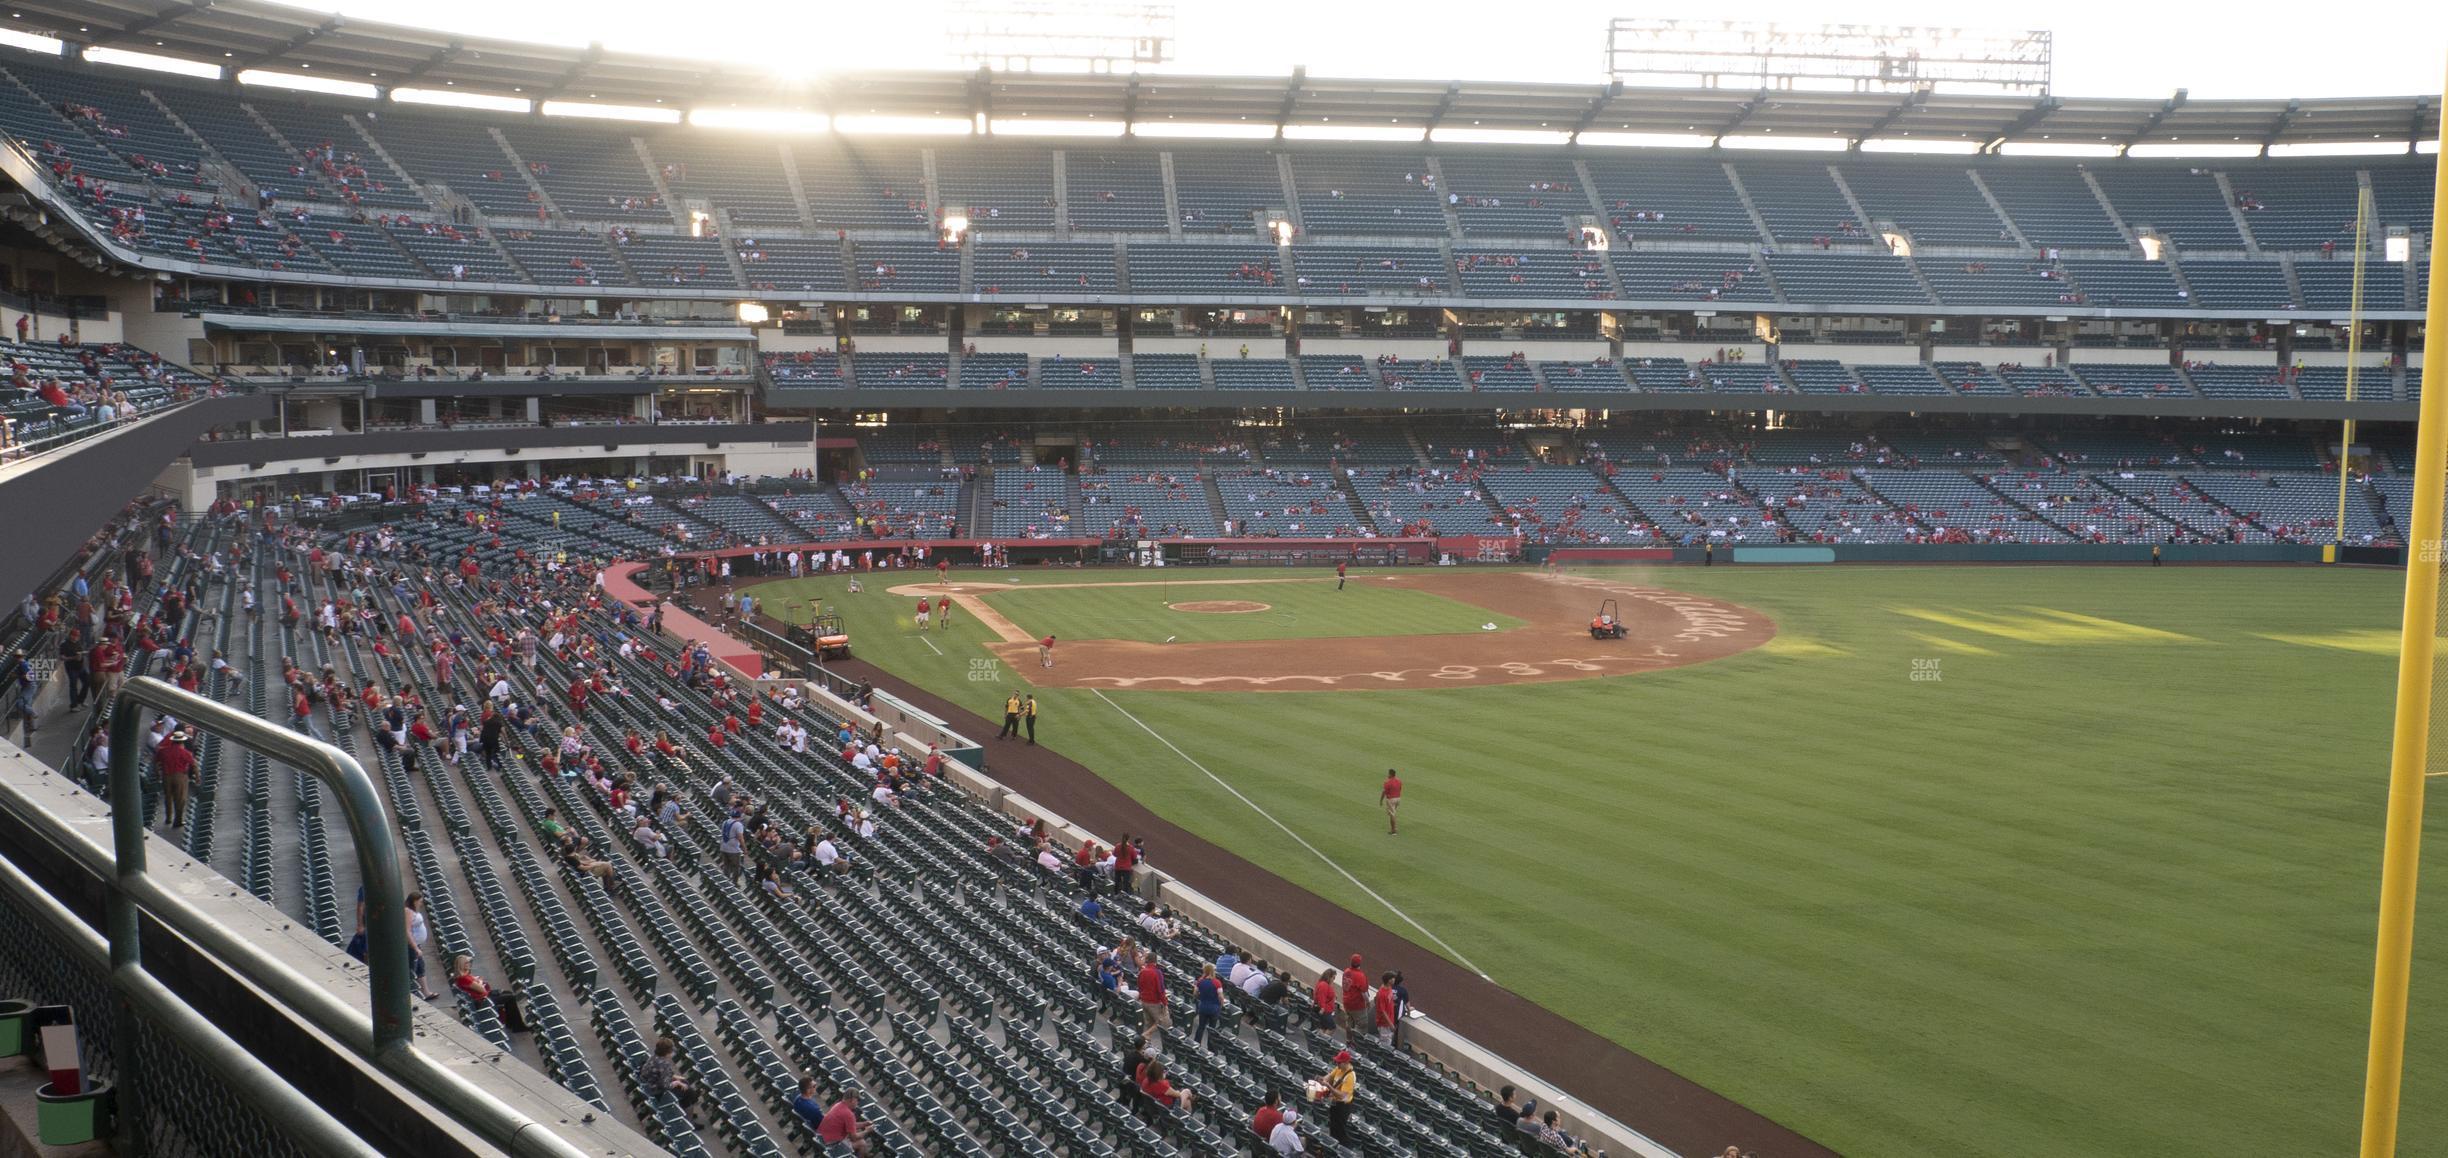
[(384, 1037), (315, 1131)]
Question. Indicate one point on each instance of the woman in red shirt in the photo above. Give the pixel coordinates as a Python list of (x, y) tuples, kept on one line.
[(1325, 995), (1159, 1088)]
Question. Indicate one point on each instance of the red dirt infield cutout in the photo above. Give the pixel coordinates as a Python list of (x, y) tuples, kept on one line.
[(1222, 606), (1668, 629)]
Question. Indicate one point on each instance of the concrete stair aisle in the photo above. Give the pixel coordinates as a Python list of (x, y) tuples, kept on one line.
[(1453, 220), (654, 176), (1292, 205), (1359, 507), (1172, 194), (798, 188), (1851, 202), (2226, 188), (373, 149), (1750, 207), (1062, 198), (2005, 219), (1215, 501), (527, 175), (2019, 503), (2132, 240)]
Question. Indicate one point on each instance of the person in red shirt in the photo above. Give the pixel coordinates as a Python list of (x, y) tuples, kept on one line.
[(841, 1124), (1126, 861), (630, 741), (1390, 795), (578, 696), (1355, 997), (108, 665), (1045, 652), (934, 761), (175, 762), (1387, 1017), (1158, 1088), (1324, 994), (756, 711), (1155, 1015), (714, 736), (1269, 1113), (301, 714), (663, 743), (731, 724), (923, 607)]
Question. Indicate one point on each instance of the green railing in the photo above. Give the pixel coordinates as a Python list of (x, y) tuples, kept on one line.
[(382, 1034)]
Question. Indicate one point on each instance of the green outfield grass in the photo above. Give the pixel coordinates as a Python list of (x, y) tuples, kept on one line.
[(1308, 609), (1999, 861)]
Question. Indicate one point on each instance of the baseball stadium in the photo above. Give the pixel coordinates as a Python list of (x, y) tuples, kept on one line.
[(1086, 578)]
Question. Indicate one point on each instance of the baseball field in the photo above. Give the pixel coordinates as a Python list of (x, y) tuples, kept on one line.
[(1915, 861)]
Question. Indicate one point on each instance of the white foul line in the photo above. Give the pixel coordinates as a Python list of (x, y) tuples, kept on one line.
[(930, 645), (1330, 861)]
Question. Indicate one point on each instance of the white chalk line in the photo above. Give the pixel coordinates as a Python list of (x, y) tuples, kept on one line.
[(930, 645), (1374, 895)]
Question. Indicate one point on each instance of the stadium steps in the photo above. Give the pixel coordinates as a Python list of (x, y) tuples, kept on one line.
[(977, 506), (662, 188), (1292, 210), (1215, 500), (967, 284), (1750, 208), (1845, 190), (934, 191), (2294, 285), (1122, 290), (1172, 196), (798, 189), (2252, 244), (731, 257), (543, 196), (1061, 160), (2133, 244), (214, 167), (1453, 221), (1982, 480), (1206, 373), (1998, 207), (373, 148), (1359, 507)]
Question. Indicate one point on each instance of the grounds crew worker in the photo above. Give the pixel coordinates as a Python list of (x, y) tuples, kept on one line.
[(1028, 714), (1011, 718)]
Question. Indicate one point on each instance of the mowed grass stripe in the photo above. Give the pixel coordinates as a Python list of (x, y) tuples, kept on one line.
[(2095, 891), (1140, 609)]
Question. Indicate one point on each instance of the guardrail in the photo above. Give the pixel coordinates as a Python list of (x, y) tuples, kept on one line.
[(382, 1034)]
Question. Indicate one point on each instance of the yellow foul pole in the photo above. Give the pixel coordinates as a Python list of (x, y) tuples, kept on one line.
[(2354, 348), (2401, 856)]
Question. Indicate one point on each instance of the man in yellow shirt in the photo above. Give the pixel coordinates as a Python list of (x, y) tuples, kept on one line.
[(1341, 1084), (1028, 715), (1011, 718)]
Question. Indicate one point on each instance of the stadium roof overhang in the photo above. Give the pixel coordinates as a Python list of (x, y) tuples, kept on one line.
[(247, 34)]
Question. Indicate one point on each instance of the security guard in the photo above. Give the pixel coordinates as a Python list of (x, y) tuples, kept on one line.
[(1028, 712), (1011, 718)]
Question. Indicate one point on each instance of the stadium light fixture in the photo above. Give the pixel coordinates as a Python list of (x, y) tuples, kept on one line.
[(879, 125), (1614, 139), (611, 112), (462, 100), (328, 86), (1469, 135), (2371, 148), (1919, 145), (153, 62), (753, 313), (32, 42), (2056, 149), (1032, 127), (1333, 132), (761, 120), (2398, 248), (2195, 149), (1222, 130), (1796, 143)]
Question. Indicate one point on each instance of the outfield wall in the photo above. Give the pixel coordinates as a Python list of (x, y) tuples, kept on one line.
[(2005, 553)]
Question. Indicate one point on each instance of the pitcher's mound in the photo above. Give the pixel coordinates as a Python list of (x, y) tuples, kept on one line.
[(1222, 606)]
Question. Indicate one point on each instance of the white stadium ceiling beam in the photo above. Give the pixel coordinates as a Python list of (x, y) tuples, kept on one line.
[(281, 51), (1887, 119), (2041, 110), (1742, 116), (2151, 125)]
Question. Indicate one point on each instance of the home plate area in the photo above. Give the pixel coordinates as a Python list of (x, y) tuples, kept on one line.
[(1667, 629)]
